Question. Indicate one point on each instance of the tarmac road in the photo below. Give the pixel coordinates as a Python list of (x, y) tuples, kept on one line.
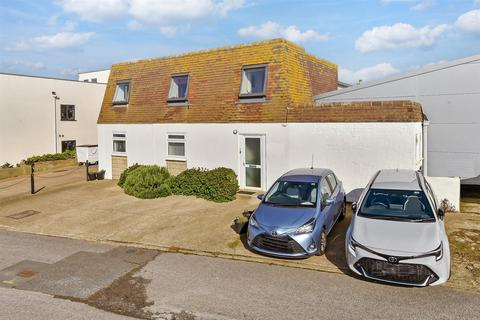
[(214, 288)]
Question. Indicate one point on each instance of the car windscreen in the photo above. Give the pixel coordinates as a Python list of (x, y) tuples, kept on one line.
[(401, 205), (290, 193)]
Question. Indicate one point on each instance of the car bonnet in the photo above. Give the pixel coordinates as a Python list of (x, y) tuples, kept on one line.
[(283, 217), (396, 236)]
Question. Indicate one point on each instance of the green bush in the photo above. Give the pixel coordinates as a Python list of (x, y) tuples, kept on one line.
[(148, 182), (219, 185), (6, 165), (125, 173), (69, 154)]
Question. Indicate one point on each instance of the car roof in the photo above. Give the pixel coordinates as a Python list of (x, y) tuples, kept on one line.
[(397, 179), (305, 174)]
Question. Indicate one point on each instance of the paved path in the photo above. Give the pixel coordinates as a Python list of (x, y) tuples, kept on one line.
[(214, 288)]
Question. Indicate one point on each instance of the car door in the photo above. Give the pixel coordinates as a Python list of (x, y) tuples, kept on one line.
[(336, 195), (328, 208)]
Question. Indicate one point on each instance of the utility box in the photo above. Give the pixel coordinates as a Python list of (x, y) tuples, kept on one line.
[(87, 152)]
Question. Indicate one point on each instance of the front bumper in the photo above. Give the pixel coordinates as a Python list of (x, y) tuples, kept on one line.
[(283, 245), (419, 272)]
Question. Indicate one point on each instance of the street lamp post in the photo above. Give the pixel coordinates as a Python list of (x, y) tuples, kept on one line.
[(55, 98)]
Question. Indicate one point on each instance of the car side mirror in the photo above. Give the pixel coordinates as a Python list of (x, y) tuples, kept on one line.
[(354, 207), (327, 202), (441, 213), (260, 196)]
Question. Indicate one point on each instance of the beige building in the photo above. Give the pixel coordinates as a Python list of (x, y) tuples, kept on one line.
[(46, 115)]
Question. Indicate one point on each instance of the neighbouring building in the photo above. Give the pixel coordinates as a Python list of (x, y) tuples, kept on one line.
[(46, 115), (449, 93), (250, 108), (99, 76)]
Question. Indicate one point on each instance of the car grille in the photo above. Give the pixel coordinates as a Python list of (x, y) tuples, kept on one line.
[(281, 244), (412, 274)]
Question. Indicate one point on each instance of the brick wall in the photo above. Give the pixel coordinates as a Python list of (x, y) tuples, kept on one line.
[(294, 76)]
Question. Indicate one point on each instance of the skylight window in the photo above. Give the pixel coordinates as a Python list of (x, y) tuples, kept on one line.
[(178, 88), (254, 79)]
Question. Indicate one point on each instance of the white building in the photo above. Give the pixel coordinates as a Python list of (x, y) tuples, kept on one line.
[(450, 97), (45, 115), (250, 108), (100, 76)]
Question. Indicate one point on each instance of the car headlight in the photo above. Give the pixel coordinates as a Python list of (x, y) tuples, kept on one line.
[(438, 253), (307, 227), (253, 222), (352, 244)]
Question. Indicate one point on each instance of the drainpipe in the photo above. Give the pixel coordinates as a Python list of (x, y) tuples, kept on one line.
[(425, 125)]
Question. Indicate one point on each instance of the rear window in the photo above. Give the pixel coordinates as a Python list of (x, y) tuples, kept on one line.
[(405, 205)]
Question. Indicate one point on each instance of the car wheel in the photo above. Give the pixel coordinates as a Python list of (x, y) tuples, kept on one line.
[(322, 244), (344, 210)]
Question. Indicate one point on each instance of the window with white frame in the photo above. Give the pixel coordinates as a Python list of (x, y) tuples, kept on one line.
[(119, 143), (176, 145), (122, 92), (178, 91), (254, 79)]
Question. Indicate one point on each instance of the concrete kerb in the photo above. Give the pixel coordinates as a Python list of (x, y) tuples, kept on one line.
[(283, 263)]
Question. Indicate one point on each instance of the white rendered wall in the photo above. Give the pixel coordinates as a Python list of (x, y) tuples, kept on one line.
[(446, 188), (355, 151), (27, 115), (450, 99), (101, 76)]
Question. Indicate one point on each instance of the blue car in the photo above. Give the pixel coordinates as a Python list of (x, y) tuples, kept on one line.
[(295, 216)]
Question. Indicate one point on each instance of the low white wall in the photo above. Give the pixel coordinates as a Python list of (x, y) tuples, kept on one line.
[(354, 151), (446, 188)]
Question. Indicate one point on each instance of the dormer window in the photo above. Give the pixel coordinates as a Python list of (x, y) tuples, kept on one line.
[(178, 88), (254, 81), (122, 92)]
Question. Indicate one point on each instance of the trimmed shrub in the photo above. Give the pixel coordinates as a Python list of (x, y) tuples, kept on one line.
[(125, 173), (69, 154), (218, 185), (148, 182), (189, 182)]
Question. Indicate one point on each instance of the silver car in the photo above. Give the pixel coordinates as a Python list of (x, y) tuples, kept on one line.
[(397, 232)]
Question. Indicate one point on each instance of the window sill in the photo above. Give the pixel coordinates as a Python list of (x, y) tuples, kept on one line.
[(64, 120), (170, 158), (117, 154), (119, 104), (252, 100), (177, 103)]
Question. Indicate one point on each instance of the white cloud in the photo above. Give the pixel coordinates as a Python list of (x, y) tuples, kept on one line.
[(378, 71), (163, 13), (95, 10), (57, 41), (272, 29), (469, 21), (422, 5), (399, 35), (416, 5)]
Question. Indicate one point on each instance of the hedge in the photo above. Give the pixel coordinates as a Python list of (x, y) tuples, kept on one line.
[(219, 185), (125, 173), (69, 154), (148, 182)]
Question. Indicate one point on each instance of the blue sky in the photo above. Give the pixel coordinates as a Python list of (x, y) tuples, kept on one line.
[(368, 39)]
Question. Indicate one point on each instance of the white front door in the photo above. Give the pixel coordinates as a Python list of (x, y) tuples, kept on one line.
[(252, 162)]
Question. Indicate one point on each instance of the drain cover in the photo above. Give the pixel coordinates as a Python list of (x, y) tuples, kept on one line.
[(23, 214)]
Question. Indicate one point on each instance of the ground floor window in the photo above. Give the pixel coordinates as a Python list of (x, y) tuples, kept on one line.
[(119, 143), (176, 145), (68, 145)]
